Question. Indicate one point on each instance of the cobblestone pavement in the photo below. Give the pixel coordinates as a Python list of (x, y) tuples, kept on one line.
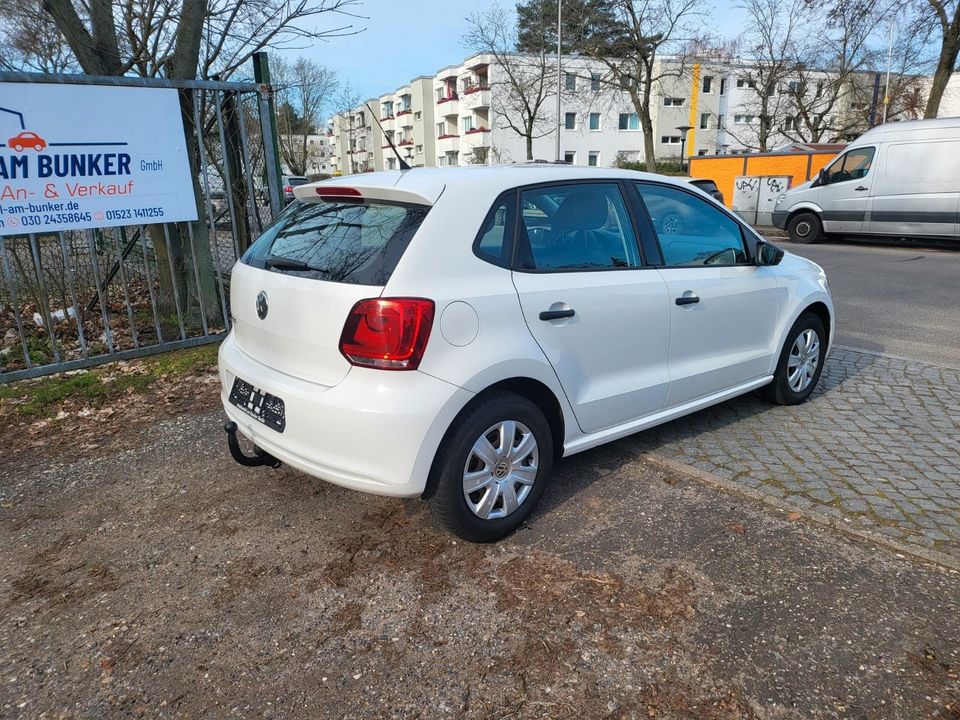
[(877, 444)]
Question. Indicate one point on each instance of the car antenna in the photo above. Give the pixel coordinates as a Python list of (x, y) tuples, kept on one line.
[(403, 163)]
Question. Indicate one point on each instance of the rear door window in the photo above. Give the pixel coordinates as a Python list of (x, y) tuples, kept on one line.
[(347, 241), (576, 227)]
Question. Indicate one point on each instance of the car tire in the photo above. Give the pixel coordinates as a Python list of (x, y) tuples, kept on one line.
[(498, 482), (805, 228), (788, 388), (18, 148)]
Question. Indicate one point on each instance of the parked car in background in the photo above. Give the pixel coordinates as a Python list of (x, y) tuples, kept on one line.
[(289, 182), (450, 334), (898, 179), (709, 187)]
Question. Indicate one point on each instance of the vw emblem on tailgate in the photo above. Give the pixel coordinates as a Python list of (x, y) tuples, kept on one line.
[(262, 306)]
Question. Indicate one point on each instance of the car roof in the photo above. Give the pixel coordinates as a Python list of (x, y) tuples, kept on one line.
[(481, 178)]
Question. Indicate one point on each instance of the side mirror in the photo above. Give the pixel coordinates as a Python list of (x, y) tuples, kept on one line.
[(821, 176), (768, 254)]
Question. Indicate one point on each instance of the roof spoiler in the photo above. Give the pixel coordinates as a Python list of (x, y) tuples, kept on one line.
[(390, 186)]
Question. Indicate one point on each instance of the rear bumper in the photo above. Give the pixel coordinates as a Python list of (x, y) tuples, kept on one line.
[(375, 431)]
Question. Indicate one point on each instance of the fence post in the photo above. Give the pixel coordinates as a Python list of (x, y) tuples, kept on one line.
[(261, 75)]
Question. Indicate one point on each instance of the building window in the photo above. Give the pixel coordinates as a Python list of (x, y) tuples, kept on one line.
[(419, 148), (670, 139), (570, 81), (789, 123), (594, 82), (701, 152), (417, 115), (719, 122), (723, 86), (570, 121), (441, 129), (629, 121), (672, 102), (593, 159), (746, 82), (439, 92), (594, 121), (704, 121), (570, 158), (793, 86), (468, 123), (743, 119), (707, 84)]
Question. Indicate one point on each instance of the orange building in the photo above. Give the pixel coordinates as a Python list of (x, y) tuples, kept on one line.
[(799, 162)]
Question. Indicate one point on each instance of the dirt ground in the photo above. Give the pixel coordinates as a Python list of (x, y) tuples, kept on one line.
[(147, 575)]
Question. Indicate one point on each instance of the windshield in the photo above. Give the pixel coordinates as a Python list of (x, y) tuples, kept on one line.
[(348, 242)]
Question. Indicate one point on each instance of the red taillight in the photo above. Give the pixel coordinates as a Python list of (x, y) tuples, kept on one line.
[(387, 333), (288, 189)]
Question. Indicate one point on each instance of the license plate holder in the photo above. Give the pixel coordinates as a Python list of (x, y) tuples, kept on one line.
[(263, 407)]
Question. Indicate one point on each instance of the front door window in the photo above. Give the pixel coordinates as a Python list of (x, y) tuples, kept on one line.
[(853, 165)]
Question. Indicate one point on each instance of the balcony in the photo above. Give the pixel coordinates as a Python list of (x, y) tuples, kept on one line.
[(477, 137), (448, 143), (449, 105), (388, 122), (405, 144), (475, 96), (404, 118)]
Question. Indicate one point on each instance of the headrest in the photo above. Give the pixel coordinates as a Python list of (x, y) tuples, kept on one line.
[(581, 210)]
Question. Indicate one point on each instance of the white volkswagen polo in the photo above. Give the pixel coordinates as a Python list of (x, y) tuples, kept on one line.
[(451, 333)]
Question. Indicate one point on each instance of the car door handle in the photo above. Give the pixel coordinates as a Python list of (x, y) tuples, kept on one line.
[(557, 314), (861, 188), (687, 300)]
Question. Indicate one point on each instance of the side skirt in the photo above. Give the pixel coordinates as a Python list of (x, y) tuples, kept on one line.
[(615, 433)]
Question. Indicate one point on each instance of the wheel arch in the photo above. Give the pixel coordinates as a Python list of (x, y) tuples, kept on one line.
[(820, 309), (533, 390), (804, 208)]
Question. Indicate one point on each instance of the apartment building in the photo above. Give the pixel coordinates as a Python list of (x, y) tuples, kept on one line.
[(319, 153), (356, 141), (466, 114)]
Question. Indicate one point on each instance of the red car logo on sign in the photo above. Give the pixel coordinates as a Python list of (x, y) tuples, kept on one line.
[(25, 140)]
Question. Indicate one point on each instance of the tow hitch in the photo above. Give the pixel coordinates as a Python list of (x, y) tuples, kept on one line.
[(259, 457)]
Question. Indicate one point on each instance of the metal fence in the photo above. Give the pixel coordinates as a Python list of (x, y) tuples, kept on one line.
[(73, 299)]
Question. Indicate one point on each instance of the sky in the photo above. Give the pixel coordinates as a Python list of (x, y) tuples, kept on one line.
[(402, 40)]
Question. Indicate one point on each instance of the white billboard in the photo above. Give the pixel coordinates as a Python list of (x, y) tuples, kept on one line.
[(85, 156)]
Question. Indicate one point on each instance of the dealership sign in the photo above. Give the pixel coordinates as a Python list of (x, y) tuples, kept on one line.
[(85, 156)]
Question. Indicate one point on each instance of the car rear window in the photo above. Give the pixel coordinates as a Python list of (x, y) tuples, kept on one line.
[(348, 242), (294, 181)]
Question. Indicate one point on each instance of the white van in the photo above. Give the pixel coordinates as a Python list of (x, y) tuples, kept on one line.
[(900, 179)]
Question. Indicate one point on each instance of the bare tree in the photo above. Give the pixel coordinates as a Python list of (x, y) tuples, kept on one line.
[(520, 83), (184, 40), (945, 16), (29, 39), (770, 47), (631, 39), (303, 89), (349, 130)]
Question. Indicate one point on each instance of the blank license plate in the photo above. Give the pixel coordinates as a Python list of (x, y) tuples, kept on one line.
[(261, 406)]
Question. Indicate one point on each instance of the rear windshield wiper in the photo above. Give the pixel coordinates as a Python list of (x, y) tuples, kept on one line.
[(284, 263)]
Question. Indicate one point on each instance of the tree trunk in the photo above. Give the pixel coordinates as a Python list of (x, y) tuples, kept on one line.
[(945, 65), (529, 138), (646, 123)]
